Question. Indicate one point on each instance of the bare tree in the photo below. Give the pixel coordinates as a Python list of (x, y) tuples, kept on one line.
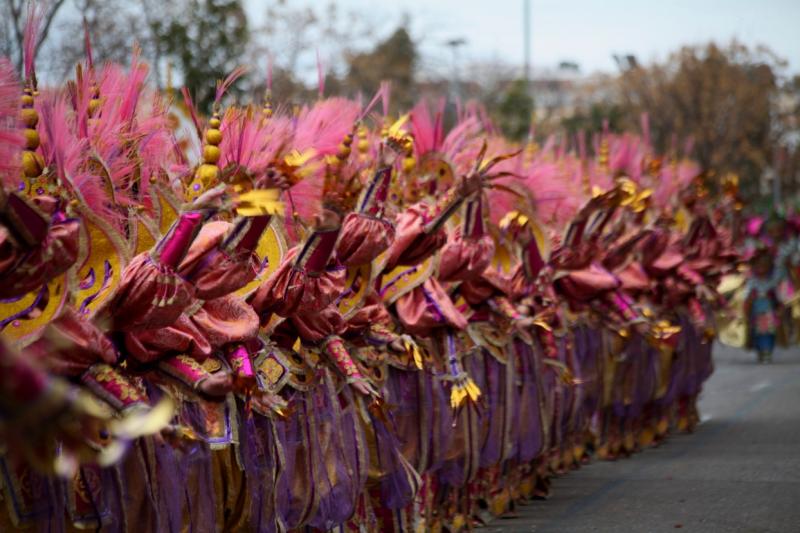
[(15, 16), (113, 29)]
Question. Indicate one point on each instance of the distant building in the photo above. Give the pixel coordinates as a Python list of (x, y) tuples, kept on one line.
[(560, 92)]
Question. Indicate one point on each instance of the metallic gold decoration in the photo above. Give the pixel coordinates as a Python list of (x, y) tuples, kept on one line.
[(143, 236), (24, 318), (100, 266), (403, 279), (207, 175), (356, 287), (259, 202), (270, 251), (166, 206)]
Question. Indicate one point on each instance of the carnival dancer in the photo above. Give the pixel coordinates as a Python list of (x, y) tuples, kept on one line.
[(761, 305), (366, 234), (51, 332), (323, 443)]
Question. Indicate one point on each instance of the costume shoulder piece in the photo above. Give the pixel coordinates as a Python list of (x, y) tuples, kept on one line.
[(22, 319), (104, 255), (403, 279), (356, 288), (270, 251)]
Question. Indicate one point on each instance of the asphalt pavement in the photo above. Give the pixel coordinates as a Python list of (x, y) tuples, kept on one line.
[(739, 471)]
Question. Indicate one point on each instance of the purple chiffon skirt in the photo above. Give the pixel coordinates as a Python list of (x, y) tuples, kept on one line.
[(528, 398)]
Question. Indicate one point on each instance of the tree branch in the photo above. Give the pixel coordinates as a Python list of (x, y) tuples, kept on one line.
[(48, 21)]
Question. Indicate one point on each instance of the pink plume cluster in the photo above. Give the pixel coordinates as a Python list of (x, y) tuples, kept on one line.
[(64, 153), (427, 127), (252, 143), (324, 125)]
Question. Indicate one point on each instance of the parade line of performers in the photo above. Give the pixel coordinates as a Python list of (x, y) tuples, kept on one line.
[(335, 319)]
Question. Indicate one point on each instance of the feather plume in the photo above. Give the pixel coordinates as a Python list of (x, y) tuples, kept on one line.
[(224, 85), (134, 86), (323, 126), (252, 144), (87, 45), (30, 41), (556, 194), (187, 100), (269, 72), (426, 128), (438, 129), (320, 77), (65, 153), (378, 96), (462, 145), (386, 92)]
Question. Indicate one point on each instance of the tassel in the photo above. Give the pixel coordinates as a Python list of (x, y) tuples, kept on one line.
[(464, 389), (413, 349)]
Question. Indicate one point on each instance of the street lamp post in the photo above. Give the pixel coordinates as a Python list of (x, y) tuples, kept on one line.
[(454, 45)]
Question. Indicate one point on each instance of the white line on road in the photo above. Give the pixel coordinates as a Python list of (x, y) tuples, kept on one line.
[(761, 385)]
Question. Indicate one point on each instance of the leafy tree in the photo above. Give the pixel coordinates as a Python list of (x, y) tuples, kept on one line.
[(514, 110), (205, 40), (394, 59), (594, 117)]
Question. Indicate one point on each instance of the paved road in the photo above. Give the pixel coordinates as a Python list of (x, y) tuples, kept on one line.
[(739, 472)]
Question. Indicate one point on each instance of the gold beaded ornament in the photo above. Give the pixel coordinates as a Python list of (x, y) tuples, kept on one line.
[(34, 181), (207, 174)]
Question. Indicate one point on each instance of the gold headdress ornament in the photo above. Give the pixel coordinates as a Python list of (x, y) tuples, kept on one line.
[(207, 174), (632, 196), (402, 144), (363, 141), (266, 110), (603, 155), (295, 165), (340, 192), (730, 184), (654, 165), (35, 182), (401, 141), (514, 218), (519, 220), (730, 188)]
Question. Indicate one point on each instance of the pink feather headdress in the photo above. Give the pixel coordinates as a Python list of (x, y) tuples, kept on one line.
[(64, 154)]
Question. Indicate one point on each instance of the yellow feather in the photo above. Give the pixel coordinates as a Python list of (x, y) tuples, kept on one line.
[(296, 158), (260, 202), (394, 129)]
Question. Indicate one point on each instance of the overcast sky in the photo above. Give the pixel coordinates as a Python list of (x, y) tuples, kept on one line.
[(587, 32)]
